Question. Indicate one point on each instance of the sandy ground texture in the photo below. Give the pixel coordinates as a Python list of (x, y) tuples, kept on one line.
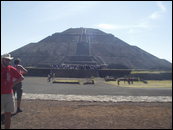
[(47, 114)]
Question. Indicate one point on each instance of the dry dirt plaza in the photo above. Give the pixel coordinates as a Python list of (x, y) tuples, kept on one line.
[(80, 114)]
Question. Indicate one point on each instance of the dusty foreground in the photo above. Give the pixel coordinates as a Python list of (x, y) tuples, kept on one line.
[(39, 114)]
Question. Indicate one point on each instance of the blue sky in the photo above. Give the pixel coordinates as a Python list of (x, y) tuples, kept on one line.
[(146, 24)]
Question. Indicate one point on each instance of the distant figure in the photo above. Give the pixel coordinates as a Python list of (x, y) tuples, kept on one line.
[(118, 81), (53, 76), (123, 79), (17, 89), (48, 77), (128, 80)]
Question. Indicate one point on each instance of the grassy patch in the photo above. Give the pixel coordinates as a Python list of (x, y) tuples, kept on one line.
[(150, 84), (67, 81), (148, 72)]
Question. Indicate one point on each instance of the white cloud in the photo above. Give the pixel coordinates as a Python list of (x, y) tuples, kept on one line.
[(161, 6), (142, 25), (159, 13), (155, 15)]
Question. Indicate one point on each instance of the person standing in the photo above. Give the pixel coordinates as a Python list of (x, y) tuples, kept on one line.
[(18, 87), (8, 74)]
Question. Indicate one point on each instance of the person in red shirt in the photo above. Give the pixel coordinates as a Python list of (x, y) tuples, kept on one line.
[(9, 77)]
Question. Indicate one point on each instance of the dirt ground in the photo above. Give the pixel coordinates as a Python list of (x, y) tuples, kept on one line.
[(41, 114)]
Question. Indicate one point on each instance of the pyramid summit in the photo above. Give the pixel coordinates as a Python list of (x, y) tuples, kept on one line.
[(87, 46)]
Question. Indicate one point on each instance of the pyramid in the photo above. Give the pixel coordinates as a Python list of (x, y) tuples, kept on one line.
[(87, 46)]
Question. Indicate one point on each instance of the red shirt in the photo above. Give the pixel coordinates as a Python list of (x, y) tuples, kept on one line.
[(8, 75)]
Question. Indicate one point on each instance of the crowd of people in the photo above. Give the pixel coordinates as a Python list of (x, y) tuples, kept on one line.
[(77, 67)]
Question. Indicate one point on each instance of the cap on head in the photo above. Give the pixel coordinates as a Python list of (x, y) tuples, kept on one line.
[(7, 56)]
